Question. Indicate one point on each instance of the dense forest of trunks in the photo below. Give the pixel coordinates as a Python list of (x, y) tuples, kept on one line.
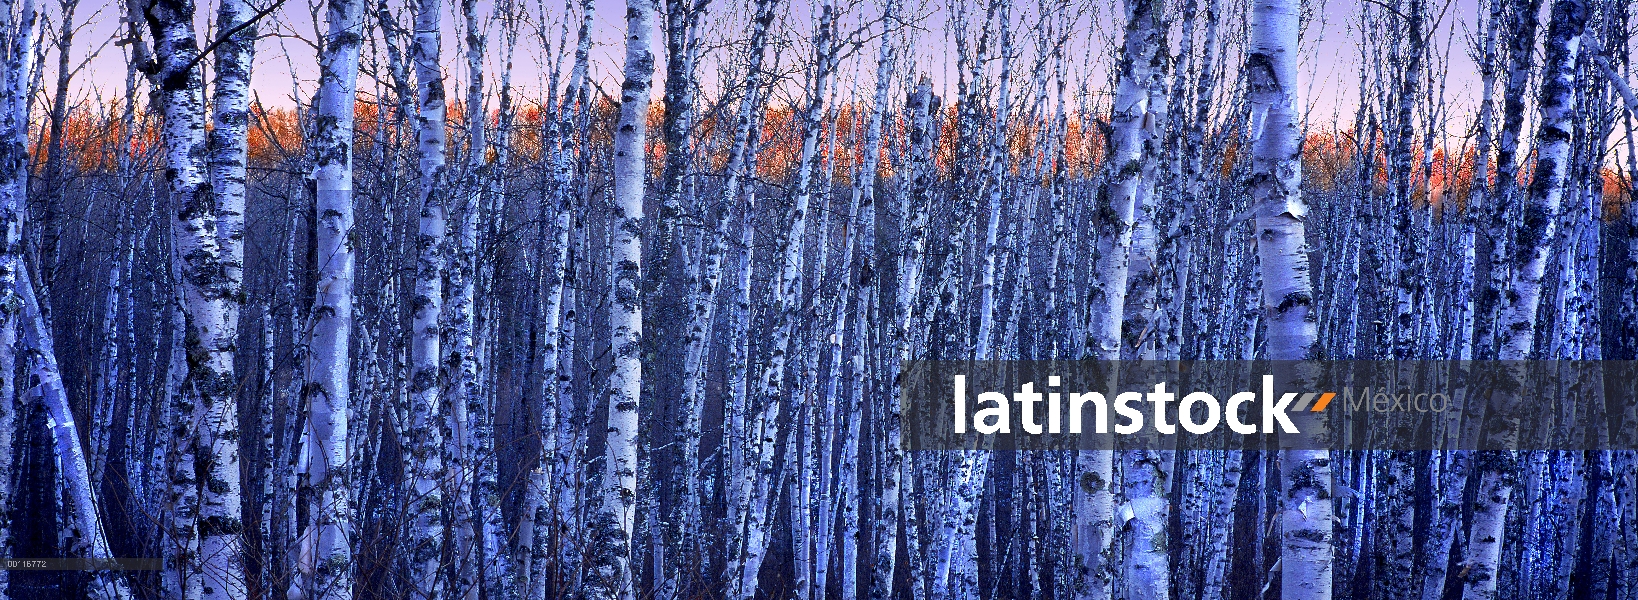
[(511, 300)]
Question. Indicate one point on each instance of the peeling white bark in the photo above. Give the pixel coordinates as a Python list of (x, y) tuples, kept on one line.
[(1287, 299)]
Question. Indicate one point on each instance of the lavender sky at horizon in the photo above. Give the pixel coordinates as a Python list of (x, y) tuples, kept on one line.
[(1332, 52)]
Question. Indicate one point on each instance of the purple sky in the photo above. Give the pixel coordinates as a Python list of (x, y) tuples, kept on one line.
[(1331, 50)]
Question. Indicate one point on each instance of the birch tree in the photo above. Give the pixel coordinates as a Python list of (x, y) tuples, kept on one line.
[(1094, 514), (613, 524), (866, 295), (327, 569), (682, 34), (17, 22), (1532, 238), (897, 472), (424, 460), (205, 514), (85, 523), (559, 320), (704, 300), (221, 528), (1520, 56), (763, 430), (1288, 297)]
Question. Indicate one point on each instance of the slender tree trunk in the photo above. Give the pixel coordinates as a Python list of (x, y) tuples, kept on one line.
[(674, 279), (558, 391), (327, 367), (681, 550), (1453, 468), (463, 399), (1533, 238), (956, 570), (741, 158), (537, 527), (1480, 197), (896, 472), (105, 391), (52, 180), (1408, 268), (1146, 472), (749, 450), (570, 429), (864, 299), (1094, 509), (424, 467), (1288, 297), (210, 294), (1521, 23), (17, 24), (289, 450), (771, 384), (221, 526), (616, 517), (86, 524), (1146, 477)]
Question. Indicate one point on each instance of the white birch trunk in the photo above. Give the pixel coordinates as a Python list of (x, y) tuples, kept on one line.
[(741, 164), (617, 515), (900, 504), (771, 384), (566, 471), (86, 524), (962, 519), (106, 391), (752, 443), (18, 24), (1491, 23), (539, 517), (1094, 509), (1145, 482), (1138, 318), (210, 298), (558, 393), (865, 297), (1629, 99), (682, 551), (1521, 52), (328, 384), (1145, 565), (1453, 468), (1408, 293), (749, 449), (221, 527), (284, 528), (913, 207), (1287, 299), (1123, 169), (464, 402), (1221, 521), (423, 458), (1532, 242), (742, 448), (460, 380)]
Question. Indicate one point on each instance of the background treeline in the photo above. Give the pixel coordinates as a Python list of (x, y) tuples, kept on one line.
[(511, 301)]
